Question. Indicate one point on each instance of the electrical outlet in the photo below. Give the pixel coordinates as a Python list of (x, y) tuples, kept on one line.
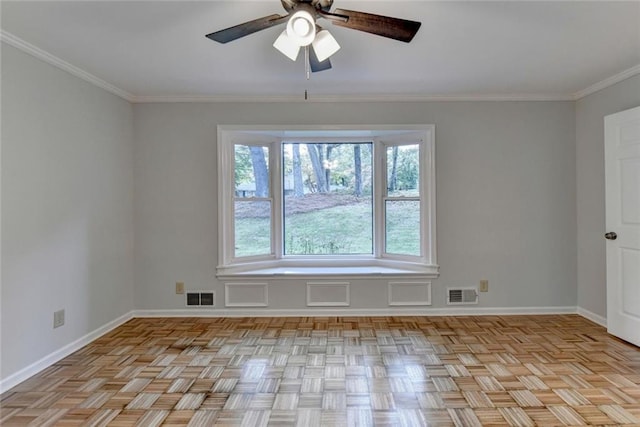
[(484, 286), (179, 287), (58, 318)]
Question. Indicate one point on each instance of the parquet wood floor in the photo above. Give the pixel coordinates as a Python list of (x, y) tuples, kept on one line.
[(554, 370)]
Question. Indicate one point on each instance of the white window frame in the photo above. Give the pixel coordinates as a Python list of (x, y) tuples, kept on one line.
[(379, 263)]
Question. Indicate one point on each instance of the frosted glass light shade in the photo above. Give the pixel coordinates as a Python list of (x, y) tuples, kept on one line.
[(325, 45), (287, 46), (301, 28)]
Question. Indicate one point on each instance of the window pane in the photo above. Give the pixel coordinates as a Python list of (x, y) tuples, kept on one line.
[(402, 227), (251, 171), (252, 228), (327, 198), (403, 170)]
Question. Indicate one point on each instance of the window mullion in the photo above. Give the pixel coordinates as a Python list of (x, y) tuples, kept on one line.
[(379, 193), (428, 203), (226, 241), (276, 195)]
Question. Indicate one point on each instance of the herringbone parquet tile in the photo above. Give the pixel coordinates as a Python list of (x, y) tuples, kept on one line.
[(347, 371)]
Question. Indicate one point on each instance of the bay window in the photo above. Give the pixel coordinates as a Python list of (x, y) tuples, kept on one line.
[(320, 200)]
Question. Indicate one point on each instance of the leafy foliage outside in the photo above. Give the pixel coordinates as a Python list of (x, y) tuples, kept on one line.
[(327, 199), (322, 227)]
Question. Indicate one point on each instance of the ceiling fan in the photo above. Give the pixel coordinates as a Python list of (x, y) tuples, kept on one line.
[(302, 31)]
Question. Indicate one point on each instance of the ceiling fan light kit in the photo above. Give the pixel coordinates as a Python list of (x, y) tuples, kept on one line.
[(325, 45), (302, 30), (287, 46)]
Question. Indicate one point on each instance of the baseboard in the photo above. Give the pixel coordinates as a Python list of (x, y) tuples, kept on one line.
[(31, 370), (54, 357), (595, 318), (355, 312)]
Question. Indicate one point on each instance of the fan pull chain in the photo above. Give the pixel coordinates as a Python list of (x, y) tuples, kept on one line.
[(306, 69)]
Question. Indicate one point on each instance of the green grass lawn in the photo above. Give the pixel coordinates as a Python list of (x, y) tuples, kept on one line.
[(337, 230), (345, 229)]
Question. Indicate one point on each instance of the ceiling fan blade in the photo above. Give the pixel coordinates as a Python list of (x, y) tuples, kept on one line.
[(385, 26), (250, 27), (315, 64)]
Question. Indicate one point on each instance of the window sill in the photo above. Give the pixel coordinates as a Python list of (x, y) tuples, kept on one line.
[(373, 270)]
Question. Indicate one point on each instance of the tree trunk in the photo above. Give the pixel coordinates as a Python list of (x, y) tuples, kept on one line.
[(327, 166), (394, 168), (316, 154), (298, 184), (357, 165), (260, 171)]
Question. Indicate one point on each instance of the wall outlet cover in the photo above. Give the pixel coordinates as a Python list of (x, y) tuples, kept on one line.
[(58, 318)]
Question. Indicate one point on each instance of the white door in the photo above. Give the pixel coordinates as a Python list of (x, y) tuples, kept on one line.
[(622, 174)]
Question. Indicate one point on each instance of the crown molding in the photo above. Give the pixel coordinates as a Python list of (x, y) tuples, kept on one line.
[(353, 98), (45, 56), (153, 99), (609, 81)]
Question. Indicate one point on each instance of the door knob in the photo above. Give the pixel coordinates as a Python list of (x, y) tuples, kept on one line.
[(611, 235)]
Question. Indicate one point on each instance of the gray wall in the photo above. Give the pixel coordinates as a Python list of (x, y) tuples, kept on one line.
[(67, 208), (590, 197), (505, 193), (519, 183)]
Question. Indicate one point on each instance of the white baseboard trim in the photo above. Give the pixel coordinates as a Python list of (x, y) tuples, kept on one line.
[(22, 375), (596, 318), (355, 312), (31, 370)]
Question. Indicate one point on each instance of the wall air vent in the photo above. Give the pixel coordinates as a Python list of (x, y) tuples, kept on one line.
[(200, 299), (460, 296)]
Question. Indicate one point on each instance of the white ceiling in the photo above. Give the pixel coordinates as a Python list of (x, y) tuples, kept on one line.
[(158, 50)]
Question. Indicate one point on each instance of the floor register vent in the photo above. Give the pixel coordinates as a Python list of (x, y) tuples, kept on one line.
[(200, 299), (460, 296)]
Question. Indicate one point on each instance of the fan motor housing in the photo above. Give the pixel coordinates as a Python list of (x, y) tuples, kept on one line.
[(290, 5)]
